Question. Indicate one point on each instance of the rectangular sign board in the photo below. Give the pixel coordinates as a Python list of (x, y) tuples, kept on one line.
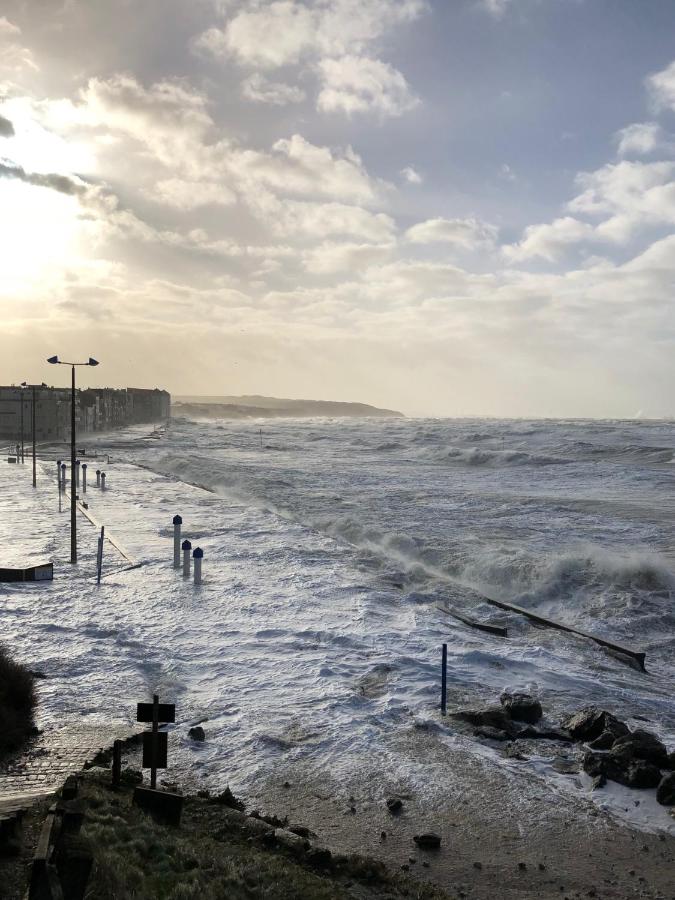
[(166, 712), (44, 572), (160, 760)]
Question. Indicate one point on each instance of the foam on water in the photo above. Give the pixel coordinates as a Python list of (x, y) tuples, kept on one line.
[(316, 635)]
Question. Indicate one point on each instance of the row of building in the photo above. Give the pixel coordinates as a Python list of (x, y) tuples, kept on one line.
[(96, 409)]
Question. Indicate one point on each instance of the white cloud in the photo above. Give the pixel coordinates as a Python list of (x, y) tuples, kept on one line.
[(549, 240), (411, 175), (497, 8), (191, 194), (331, 257), (306, 219), (661, 85), (638, 139), (261, 90), (467, 233), (357, 84), (15, 59)]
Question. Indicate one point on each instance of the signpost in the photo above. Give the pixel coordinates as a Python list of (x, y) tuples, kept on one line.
[(164, 804)]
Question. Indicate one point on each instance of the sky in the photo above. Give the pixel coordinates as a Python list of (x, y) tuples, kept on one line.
[(446, 207)]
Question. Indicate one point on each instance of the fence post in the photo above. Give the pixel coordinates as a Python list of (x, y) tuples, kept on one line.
[(198, 555), (84, 478), (177, 522), (444, 679), (187, 546)]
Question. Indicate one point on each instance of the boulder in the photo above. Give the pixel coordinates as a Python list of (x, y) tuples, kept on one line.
[(547, 734), (492, 734), (197, 733), (633, 773), (590, 722), (671, 761), (290, 841), (522, 707), (641, 745), (665, 792), (603, 742), (491, 716), (428, 840)]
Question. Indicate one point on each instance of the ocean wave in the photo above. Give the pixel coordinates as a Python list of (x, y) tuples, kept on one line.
[(474, 456)]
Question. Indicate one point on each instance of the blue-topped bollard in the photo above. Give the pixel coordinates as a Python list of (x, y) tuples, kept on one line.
[(58, 472), (102, 481), (84, 478), (197, 556), (187, 546), (63, 476), (98, 478), (77, 473), (177, 522)]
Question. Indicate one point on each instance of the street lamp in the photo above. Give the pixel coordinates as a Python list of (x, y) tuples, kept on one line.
[(55, 361)]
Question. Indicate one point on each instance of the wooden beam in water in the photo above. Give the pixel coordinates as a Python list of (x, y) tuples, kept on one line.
[(635, 655), (472, 623)]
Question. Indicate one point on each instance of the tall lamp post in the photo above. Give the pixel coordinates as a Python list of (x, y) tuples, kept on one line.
[(55, 361), (24, 384)]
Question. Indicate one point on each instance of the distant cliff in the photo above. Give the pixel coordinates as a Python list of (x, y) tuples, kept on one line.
[(254, 406)]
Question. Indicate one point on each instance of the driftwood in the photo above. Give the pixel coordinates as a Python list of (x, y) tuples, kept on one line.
[(472, 623)]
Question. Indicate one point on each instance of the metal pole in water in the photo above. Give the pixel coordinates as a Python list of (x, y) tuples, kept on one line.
[(187, 546), (58, 473), (102, 481), (177, 522), (32, 429), (84, 478), (77, 473), (197, 556), (444, 679), (99, 555), (98, 478)]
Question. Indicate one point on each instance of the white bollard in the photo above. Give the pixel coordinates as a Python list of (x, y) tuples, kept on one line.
[(98, 478), (187, 546), (197, 556), (102, 481), (84, 478), (177, 522), (77, 474)]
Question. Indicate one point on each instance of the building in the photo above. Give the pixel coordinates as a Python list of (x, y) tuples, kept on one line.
[(96, 409)]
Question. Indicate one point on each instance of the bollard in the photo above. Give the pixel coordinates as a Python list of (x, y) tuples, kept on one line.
[(84, 478), (187, 546), (77, 473), (177, 522), (197, 555), (444, 679), (102, 481), (98, 478), (58, 472), (63, 476)]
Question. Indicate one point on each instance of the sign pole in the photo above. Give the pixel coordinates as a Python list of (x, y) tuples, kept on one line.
[(155, 727)]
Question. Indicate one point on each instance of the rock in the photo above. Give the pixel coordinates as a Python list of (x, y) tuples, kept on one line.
[(197, 733), (565, 766), (302, 831), (522, 707), (641, 745), (603, 742), (547, 734), (36, 674), (492, 734), (394, 805), (227, 798), (633, 773), (428, 840), (320, 857), (492, 717), (590, 722), (599, 782), (665, 792), (290, 841)]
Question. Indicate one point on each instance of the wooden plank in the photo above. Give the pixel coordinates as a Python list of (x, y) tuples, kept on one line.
[(499, 630), (636, 655)]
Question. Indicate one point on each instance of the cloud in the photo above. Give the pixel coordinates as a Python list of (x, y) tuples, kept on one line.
[(331, 257), (661, 86), (467, 233), (496, 8), (261, 90), (548, 241), (638, 139), (353, 84), (15, 59), (411, 175), (186, 195), (6, 128), (306, 219), (61, 183)]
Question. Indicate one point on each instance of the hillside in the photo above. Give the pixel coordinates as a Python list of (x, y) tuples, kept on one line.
[(254, 406)]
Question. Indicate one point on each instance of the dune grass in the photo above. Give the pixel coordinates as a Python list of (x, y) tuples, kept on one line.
[(17, 703)]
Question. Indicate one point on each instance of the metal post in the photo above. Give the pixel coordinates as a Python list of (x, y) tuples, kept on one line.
[(73, 484), (33, 433), (155, 728), (102, 481), (58, 472), (77, 473), (98, 478), (444, 679), (99, 555), (63, 476), (177, 522), (84, 478), (21, 395), (117, 764), (187, 546), (197, 556)]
